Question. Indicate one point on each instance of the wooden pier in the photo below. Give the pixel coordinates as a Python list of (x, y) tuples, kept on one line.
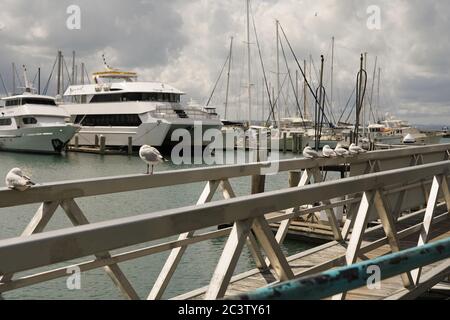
[(402, 194)]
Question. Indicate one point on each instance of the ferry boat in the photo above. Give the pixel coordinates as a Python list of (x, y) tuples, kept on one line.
[(118, 106), (34, 123)]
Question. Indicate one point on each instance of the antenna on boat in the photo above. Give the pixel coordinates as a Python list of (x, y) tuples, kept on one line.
[(105, 63), (28, 87)]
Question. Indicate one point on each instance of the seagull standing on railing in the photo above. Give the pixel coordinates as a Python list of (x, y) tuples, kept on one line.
[(328, 152), (309, 153), (354, 149), (151, 156), (341, 151), (16, 180)]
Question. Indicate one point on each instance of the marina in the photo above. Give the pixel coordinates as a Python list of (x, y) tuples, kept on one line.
[(240, 152)]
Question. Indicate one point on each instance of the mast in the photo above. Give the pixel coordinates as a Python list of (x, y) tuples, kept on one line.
[(39, 80), (373, 88), (249, 65), (305, 95), (73, 67), (332, 74), (296, 84), (278, 72), (228, 78), (364, 100), (58, 85), (378, 91), (14, 78), (82, 73)]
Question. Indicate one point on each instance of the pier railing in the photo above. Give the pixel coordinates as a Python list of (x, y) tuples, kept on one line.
[(419, 190)]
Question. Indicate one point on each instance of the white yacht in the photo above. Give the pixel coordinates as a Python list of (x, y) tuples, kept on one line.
[(34, 123), (118, 106)]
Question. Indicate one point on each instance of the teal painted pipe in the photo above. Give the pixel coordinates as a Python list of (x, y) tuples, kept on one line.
[(352, 277)]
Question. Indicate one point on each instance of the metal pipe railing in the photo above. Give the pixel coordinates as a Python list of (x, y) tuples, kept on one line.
[(352, 277)]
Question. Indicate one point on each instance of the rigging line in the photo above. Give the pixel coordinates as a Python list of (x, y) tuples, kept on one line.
[(35, 76), (278, 97), (50, 77), (217, 81), (348, 103), (3, 84), (272, 105), (292, 85), (18, 77), (300, 67), (303, 72), (69, 79), (351, 112)]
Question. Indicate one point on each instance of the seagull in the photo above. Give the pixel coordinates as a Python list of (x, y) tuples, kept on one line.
[(309, 153), (341, 151), (16, 180), (354, 149), (151, 156), (328, 152)]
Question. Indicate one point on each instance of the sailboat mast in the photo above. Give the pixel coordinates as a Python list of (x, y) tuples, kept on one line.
[(305, 96), (278, 72), (332, 74), (378, 92), (228, 78), (249, 65)]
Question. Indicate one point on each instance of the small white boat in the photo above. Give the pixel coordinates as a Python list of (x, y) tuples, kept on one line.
[(34, 123)]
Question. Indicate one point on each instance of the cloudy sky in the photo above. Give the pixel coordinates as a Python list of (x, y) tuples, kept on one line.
[(185, 43)]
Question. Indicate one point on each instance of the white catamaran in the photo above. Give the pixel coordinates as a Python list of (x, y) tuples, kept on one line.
[(117, 106)]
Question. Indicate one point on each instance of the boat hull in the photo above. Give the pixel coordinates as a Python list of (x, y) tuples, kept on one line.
[(157, 134), (47, 140)]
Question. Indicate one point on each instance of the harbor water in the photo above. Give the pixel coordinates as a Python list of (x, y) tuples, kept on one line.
[(197, 265)]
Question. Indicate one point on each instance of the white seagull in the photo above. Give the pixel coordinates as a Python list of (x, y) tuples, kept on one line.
[(309, 153), (16, 180), (354, 149), (341, 151), (151, 156), (328, 152)]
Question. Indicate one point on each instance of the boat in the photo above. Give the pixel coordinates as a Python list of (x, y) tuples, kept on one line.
[(118, 106), (34, 123), (394, 131)]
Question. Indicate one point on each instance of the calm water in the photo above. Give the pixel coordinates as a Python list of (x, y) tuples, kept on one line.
[(197, 265)]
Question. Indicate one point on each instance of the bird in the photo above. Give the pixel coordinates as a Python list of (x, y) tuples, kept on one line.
[(354, 149), (328, 152), (151, 156), (16, 180), (309, 153), (341, 151)]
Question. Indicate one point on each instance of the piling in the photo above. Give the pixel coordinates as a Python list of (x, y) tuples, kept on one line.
[(130, 146), (284, 142), (102, 145), (96, 142), (77, 141)]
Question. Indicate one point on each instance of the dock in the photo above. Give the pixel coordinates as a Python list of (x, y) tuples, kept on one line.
[(388, 201)]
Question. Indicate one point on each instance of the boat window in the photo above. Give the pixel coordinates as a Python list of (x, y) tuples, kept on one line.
[(11, 103), (109, 120), (49, 102), (137, 96), (29, 120), (102, 98), (132, 97), (5, 122)]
